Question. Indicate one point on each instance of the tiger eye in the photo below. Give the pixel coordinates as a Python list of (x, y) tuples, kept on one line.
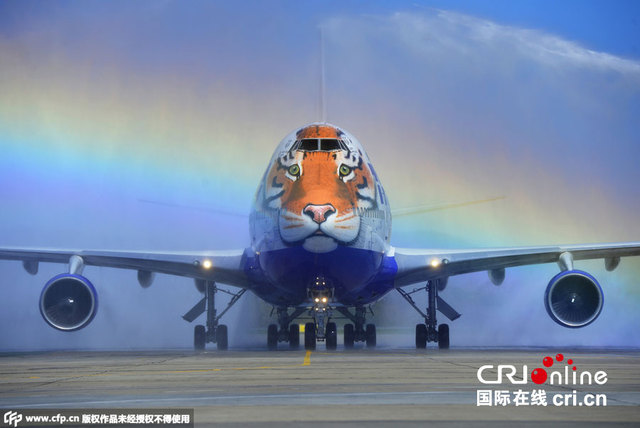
[(294, 170), (344, 170)]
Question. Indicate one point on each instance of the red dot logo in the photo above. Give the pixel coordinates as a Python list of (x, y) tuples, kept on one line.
[(547, 361), (559, 357), (539, 376), (569, 361)]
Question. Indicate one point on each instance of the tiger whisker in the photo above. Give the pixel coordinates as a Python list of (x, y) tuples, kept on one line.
[(344, 219)]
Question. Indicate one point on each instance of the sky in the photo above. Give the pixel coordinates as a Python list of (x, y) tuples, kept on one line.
[(147, 125)]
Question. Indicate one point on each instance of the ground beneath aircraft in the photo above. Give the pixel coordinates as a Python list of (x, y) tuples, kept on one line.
[(363, 387)]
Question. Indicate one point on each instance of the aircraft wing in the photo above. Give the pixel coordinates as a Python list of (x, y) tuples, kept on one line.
[(225, 267), (422, 265)]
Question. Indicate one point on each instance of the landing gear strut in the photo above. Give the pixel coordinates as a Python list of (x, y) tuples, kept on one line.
[(214, 331), (430, 331), (284, 331), (358, 331)]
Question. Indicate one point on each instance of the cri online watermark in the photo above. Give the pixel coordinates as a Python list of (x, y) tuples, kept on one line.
[(565, 374)]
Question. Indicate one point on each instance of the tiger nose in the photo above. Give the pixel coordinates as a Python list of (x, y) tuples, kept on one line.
[(319, 213)]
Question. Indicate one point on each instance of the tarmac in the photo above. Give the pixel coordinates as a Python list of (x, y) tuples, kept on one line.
[(360, 387)]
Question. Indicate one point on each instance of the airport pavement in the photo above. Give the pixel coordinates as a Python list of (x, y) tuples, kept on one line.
[(382, 387)]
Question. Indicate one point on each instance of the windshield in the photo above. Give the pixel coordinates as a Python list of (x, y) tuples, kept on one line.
[(319, 144)]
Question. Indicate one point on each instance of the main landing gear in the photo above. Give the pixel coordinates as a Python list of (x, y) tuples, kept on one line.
[(321, 328), (358, 331), (285, 331), (430, 331), (214, 332)]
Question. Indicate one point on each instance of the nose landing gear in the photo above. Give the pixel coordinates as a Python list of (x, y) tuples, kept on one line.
[(321, 329)]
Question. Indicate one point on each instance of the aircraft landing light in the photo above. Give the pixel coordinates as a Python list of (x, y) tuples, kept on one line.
[(207, 264)]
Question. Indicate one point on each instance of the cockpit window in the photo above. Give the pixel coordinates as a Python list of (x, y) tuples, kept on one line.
[(309, 145), (322, 144), (329, 145)]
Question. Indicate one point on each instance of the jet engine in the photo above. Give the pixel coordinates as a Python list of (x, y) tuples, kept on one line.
[(68, 302), (573, 299)]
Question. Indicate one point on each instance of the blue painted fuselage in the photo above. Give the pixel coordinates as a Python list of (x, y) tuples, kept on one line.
[(355, 276)]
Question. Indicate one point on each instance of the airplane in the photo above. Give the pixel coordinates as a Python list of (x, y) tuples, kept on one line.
[(320, 229)]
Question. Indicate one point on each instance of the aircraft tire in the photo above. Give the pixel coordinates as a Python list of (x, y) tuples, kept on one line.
[(421, 336), (332, 336), (443, 336), (310, 336), (199, 337), (349, 336), (222, 338), (294, 336), (272, 337), (370, 335)]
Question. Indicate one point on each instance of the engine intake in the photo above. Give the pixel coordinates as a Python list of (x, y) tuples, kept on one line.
[(573, 299), (68, 302)]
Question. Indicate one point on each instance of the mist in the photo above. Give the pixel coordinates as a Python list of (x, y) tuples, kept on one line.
[(103, 110)]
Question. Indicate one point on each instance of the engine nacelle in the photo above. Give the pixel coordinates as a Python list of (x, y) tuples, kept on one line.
[(68, 302), (573, 299)]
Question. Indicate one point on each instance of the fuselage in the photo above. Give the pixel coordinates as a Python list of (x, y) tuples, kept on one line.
[(321, 221)]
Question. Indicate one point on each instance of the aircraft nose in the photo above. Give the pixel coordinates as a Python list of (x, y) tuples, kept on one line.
[(319, 213)]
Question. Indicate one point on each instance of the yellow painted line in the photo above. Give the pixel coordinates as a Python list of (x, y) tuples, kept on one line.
[(307, 359), (34, 377)]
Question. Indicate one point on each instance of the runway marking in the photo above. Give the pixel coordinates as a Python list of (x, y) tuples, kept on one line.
[(460, 398), (305, 362), (620, 399)]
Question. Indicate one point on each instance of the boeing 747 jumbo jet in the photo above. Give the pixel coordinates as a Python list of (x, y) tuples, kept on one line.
[(320, 232)]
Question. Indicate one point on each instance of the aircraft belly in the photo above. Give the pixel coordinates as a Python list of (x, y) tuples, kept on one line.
[(354, 274)]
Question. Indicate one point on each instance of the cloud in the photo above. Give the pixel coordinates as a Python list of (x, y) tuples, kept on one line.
[(462, 34)]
